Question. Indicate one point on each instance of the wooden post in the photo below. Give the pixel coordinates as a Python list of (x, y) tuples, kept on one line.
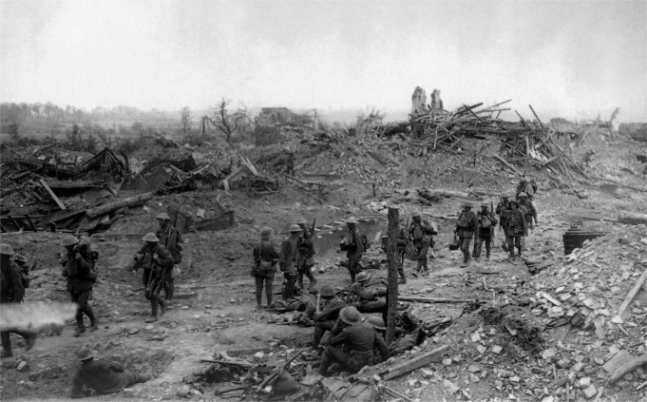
[(392, 289)]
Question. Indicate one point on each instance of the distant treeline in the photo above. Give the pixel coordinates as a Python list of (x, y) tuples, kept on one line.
[(18, 119)]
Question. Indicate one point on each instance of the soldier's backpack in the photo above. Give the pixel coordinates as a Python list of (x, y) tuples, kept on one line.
[(463, 220), (486, 221), (417, 233)]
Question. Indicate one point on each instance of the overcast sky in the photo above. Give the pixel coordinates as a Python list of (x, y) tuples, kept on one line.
[(572, 58)]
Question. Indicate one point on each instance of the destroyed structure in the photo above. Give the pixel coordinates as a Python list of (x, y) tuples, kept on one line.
[(568, 321)]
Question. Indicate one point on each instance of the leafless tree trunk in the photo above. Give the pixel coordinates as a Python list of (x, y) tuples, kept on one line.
[(392, 287)]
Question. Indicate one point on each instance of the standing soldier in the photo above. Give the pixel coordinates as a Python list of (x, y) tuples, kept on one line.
[(420, 234), (12, 290), (155, 258), (306, 253), (528, 186), (465, 228), (485, 223), (500, 207), (528, 210), (170, 238), (354, 246), (287, 262), (265, 260), (515, 228), (81, 276)]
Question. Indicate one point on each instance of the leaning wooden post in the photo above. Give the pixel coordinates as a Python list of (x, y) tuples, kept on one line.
[(392, 289)]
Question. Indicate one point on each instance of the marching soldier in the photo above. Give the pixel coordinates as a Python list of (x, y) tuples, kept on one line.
[(288, 261), (170, 238), (465, 227), (265, 260), (485, 223), (528, 186), (12, 290), (354, 247), (515, 228), (305, 256), (528, 210), (79, 269), (155, 258), (420, 234)]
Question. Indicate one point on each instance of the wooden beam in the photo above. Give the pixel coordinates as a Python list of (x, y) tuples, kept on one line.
[(51, 194), (507, 164), (414, 364), (392, 287), (111, 206), (537, 117), (627, 368), (432, 300), (632, 293)]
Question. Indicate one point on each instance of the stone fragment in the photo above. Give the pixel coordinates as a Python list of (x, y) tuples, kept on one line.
[(590, 392), (496, 349), (583, 382)]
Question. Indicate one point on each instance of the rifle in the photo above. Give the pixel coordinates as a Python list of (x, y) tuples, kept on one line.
[(492, 226)]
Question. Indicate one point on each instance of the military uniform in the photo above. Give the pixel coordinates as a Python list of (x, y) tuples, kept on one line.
[(485, 223), (465, 227), (265, 260), (369, 298), (288, 262), (420, 234), (305, 257), (353, 345), (528, 210), (100, 377), (79, 269), (325, 319), (515, 228), (155, 258), (12, 290), (170, 238), (352, 245)]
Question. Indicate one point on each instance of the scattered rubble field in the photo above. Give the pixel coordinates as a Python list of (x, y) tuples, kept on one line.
[(550, 326)]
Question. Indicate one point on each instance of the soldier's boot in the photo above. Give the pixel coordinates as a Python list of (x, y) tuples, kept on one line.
[(153, 317)]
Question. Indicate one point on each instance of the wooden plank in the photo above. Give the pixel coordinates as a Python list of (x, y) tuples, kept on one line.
[(507, 164), (125, 202), (632, 293), (432, 300), (51, 194), (392, 287), (628, 367), (414, 364), (537, 117)]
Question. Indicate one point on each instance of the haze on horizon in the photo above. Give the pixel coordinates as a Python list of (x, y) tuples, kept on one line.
[(573, 59)]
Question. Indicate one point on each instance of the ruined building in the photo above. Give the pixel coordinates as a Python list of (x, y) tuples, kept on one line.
[(418, 100)]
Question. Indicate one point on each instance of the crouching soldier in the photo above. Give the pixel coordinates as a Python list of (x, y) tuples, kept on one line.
[(12, 290), (155, 258), (352, 344), (170, 238), (324, 313), (265, 260), (485, 223), (79, 269), (288, 262), (354, 246), (100, 377), (369, 297)]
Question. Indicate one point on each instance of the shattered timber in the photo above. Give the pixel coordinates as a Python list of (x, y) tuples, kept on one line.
[(566, 321)]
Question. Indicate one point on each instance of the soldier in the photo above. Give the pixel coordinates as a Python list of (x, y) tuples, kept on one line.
[(155, 258), (288, 260), (369, 297), (401, 251), (79, 269), (528, 210), (465, 227), (21, 262), (305, 256), (170, 238), (352, 344), (265, 260), (528, 186), (515, 228), (420, 234), (100, 377), (485, 223), (354, 246), (12, 291), (324, 313), (502, 205)]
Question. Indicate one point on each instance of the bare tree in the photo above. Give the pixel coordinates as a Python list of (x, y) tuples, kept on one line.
[(230, 123), (185, 119)]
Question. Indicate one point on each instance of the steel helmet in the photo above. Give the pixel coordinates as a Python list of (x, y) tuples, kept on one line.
[(350, 315), (163, 216), (151, 238), (6, 249)]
